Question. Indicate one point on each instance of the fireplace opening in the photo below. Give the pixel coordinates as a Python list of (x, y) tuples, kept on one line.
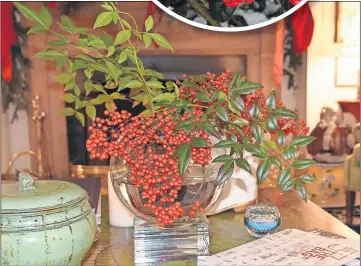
[(173, 67)]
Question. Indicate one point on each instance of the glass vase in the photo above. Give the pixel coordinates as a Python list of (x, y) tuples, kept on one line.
[(186, 237)]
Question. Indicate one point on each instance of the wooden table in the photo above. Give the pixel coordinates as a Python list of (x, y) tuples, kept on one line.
[(226, 229)]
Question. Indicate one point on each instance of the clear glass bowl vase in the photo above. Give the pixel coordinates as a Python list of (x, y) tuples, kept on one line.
[(198, 184)]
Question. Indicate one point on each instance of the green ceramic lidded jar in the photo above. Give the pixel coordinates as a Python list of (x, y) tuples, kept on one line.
[(45, 222)]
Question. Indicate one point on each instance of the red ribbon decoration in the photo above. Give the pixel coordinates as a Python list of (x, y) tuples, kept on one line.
[(9, 38), (303, 25)]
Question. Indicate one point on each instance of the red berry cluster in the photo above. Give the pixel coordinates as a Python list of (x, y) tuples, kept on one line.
[(235, 3), (147, 145)]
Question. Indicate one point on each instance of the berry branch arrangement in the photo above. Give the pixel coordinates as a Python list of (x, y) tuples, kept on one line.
[(184, 120), (228, 13)]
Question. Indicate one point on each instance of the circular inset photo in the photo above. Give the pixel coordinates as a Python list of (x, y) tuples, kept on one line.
[(229, 15)]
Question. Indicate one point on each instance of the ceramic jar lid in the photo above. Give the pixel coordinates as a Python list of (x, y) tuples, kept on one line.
[(28, 195)]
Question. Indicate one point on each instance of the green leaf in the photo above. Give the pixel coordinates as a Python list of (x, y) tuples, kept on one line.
[(133, 84), (289, 185), (81, 30), (90, 110), (113, 70), (64, 78), (284, 113), (107, 7), (169, 97), (262, 171), (300, 189), (233, 137), (202, 96), (224, 144), (238, 102), (223, 159), (233, 81), (272, 123), (98, 100), (29, 13), (275, 161), (68, 111), (46, 17), (247, 88), (61, 61), (271, 101), (86, 58), (225, 172), (67, 24), (77, 91), (37, 29), (184, 157), (147, 39), (78, 64), (154, 84), (103, 19), (303, 163), (80, 117), (281, 138), (222, 113), (303, 140), (200, 142), (122, 57), (111, 50), (215, 95), (117, 96), (122, 36), (293, 152), (69, 98), (98, 43), (161, 41), (253, 148), (283, 177), (149, 23), (286, 153), (209, 129), (233, 109), (254, 110), (243, 164), (307, 179), (270, 144), (257, 132), (57, 43), (241, 121), (50, 55), (125, 23)]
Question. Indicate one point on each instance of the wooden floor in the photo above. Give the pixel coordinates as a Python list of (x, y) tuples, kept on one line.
[(226, 229)]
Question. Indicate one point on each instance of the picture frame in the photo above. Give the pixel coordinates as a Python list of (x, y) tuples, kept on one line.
[(345, 15), (347, 71)]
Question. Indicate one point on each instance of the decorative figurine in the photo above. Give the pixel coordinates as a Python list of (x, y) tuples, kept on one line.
[(334, 140)]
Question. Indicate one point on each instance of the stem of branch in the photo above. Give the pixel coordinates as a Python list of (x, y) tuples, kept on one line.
[(203, 11)]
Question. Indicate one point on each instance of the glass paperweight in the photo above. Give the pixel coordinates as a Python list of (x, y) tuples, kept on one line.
[(262, 219)]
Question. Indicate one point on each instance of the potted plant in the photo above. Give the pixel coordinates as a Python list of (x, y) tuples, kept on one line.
[(163, 169)]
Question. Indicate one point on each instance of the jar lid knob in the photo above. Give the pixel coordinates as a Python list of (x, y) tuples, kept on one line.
[(26, 182)]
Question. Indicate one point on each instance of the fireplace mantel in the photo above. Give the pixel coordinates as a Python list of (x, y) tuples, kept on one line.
[(257, 45)]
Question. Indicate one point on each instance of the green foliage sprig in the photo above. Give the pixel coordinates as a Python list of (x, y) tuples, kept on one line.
[(117, 59)]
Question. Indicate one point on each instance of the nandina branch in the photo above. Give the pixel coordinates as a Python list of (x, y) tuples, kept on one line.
[(202, 10)]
